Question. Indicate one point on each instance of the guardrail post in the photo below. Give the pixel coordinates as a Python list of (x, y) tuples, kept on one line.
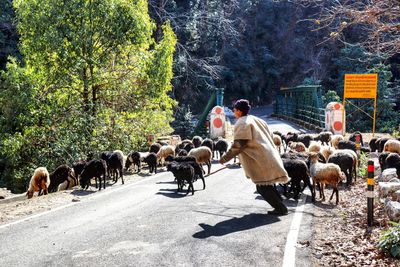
[(370, 192)]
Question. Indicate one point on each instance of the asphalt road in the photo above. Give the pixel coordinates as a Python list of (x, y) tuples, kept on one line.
[(148, 223)]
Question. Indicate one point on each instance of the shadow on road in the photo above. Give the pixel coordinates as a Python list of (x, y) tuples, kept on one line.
[(173, 193), (233, 225), (82, 192)]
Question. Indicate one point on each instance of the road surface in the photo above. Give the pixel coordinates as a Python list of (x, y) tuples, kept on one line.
[(148, 223)]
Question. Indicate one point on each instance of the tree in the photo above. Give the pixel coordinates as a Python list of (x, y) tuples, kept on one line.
[(377, 22), (92, 79)]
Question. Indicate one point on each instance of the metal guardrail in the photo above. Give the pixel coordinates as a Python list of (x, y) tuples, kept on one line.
[(301, 105)]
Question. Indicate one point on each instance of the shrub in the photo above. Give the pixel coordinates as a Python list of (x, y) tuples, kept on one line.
[(389, 240)]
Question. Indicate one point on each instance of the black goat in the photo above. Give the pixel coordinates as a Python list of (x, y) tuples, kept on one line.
[(183, 173), (61, 174)]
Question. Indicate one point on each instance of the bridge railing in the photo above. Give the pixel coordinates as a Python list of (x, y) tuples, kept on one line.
[(301, 105)]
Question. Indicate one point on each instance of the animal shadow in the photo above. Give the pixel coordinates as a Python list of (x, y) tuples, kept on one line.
[(233, 225)]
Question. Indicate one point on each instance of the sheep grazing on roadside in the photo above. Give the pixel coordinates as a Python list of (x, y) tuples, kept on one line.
[(298, 171), (372, 144), (277, 141), (335, 139), (221, 146), (151, 161), (382, 159), (61, 174), (183, 173), (393, 161), (78, 167), (94, 169), (325, 174), (381, 143), (392, 145), (133, 158), (203, 155), (346, 163), (40, 182), (155, 148), (324, 137), (115, 166), (196, 140), (345, 144), (164, 152)]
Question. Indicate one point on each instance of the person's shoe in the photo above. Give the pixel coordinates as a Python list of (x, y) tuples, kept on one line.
[(278, 212)]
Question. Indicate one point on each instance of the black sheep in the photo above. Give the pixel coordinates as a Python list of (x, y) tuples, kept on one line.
[(221, 146), (381, 143), (346, 163), (345, 144), (372, 143), (208, 143), (182, 153), (198, 170), (133, 158), (78, 167), (188, 147), (61, 174), (305, 139), (155, 148), (94, 168), (196, 140), (183, 173), (115, 165), (393, 161), (151, 160), (289, 137), (324, 137), (382, 159), (297, 171)]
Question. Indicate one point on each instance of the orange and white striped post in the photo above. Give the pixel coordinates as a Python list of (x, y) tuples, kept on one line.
[(370, 192)]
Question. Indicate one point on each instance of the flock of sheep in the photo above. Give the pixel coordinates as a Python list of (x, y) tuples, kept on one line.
[(310, 159), (184, 161), (328, 159)]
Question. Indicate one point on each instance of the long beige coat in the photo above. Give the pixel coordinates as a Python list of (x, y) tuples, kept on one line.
[(260, 159)]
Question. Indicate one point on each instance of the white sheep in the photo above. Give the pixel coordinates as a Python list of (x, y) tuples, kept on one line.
[(202, 154), (297, 146), (326, 151), (392, 145), (164, 152), (314, 147), (39, 182), (63, 185), (325, 173), (122, 154), (335, 140)]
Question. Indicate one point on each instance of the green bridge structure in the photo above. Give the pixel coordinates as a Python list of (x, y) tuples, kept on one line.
[(302, 105)]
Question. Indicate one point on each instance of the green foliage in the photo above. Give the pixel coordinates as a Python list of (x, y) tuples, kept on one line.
[(389, 240), (363, 167), (183, 125), (93, 79), (8, 33), (330, 96)]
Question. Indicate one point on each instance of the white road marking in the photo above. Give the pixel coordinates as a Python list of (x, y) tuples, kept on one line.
[(95, 195), (289, 257)]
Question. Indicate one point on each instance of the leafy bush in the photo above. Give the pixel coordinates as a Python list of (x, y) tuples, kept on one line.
[(363, 167), (389, 240)]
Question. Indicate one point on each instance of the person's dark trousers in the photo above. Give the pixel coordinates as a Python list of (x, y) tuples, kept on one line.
[(271, 195)]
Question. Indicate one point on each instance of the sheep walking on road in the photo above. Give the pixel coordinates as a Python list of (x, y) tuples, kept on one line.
[(325, 174)]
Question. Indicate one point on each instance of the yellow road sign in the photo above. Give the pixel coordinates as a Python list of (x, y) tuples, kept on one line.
[(360, 85)]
